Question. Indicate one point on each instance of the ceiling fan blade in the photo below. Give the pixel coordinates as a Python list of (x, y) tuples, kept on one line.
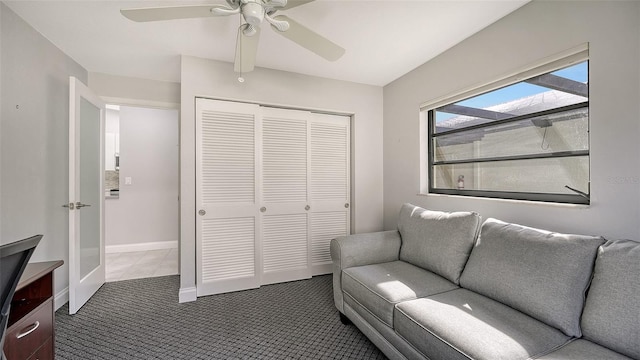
[(310, 40), (294, 3), (246, 49), (170, 12)]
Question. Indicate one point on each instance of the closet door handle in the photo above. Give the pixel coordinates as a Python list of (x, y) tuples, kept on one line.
[(263, 209)]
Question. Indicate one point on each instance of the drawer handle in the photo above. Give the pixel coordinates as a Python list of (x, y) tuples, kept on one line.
[(33, 328)]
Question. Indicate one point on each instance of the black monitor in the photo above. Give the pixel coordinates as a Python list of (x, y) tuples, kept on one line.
[(13, 260)]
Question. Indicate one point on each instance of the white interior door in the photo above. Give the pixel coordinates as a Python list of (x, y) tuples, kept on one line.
[(329, 187), (227, 192), (86, 194), (284, 206)]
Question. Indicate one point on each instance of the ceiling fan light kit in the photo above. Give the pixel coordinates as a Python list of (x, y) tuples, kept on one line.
[(254, 13), (249, 30)]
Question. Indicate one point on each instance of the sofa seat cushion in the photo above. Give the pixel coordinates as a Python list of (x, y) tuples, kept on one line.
[(581, 349), (611, 314), (379, 287), (437, 241), (461, 324), (543, 274)]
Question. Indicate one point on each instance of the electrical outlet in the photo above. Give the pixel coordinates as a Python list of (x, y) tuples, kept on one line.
[(127, 180)]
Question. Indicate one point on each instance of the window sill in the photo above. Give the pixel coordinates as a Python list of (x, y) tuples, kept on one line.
[(510, 201)]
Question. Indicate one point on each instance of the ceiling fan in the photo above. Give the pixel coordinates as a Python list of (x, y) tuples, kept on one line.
[(254, 12)]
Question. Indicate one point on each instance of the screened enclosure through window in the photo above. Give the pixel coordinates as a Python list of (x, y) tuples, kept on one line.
[(526, 141)]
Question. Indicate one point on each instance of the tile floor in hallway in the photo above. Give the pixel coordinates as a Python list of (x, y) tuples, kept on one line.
[(141, 264)]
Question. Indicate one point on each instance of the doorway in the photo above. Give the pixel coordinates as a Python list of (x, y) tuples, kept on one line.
[(141, 192)]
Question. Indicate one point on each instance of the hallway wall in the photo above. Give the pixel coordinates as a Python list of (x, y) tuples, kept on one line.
[(146, 213)]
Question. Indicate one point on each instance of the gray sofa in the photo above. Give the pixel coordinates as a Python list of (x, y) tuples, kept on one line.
[(446, 286)]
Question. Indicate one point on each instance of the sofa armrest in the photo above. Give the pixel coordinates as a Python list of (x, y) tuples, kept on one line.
[(361, 249), (364, 249)]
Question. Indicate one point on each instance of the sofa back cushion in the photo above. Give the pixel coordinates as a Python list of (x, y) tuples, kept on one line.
[(611, 314), (437, 241), (542, 274)]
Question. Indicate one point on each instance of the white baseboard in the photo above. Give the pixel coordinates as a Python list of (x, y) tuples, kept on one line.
[(159, 245), (187, 294), (61, 298)]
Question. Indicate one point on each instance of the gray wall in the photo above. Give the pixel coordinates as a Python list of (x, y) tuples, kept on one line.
[(34, 135), (147, 210), (538, 30), (123, 90), (2, 7)]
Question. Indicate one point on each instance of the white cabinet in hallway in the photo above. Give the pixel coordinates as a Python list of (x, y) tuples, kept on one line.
[(272, 190)]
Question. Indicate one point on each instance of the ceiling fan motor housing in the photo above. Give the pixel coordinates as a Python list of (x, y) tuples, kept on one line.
[(253, 13)]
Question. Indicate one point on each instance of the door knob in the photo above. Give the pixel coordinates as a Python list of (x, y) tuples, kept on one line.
[(307, 207), (263, 209), (71, 206), (202, 213), (81, 205)]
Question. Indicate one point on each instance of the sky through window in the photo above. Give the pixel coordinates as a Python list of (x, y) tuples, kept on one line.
[(577, 72)]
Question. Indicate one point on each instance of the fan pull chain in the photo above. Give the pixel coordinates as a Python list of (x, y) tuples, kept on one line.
[(241, 32)]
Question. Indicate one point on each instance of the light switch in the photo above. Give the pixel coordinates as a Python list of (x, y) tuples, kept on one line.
[(127, 180)]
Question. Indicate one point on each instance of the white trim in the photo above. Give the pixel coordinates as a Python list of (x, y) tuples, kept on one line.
[(61, 298), (187, 294), (321, 269), (159, 245), (424, 152), (140, 103), (278, 105), (562, 59), (512, 201)]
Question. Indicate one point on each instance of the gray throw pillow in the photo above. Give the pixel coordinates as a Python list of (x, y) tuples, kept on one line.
[(611, 314), (437, 241), (540, 273)]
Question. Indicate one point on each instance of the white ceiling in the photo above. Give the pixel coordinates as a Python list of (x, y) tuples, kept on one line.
[(384, 39)]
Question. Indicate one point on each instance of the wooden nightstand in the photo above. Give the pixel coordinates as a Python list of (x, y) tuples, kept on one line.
[(30, 329)]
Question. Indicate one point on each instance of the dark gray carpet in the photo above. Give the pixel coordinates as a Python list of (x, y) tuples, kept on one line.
[(142, 319)]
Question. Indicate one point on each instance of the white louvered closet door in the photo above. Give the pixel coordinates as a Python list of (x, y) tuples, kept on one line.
[(329, 186), (272, 190), (285, 167), (227, 191)]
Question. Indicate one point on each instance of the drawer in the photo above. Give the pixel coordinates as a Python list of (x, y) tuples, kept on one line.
[(26, 336), (45, 352)]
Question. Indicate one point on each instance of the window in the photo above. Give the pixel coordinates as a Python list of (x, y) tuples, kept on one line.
[(527, 141)]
